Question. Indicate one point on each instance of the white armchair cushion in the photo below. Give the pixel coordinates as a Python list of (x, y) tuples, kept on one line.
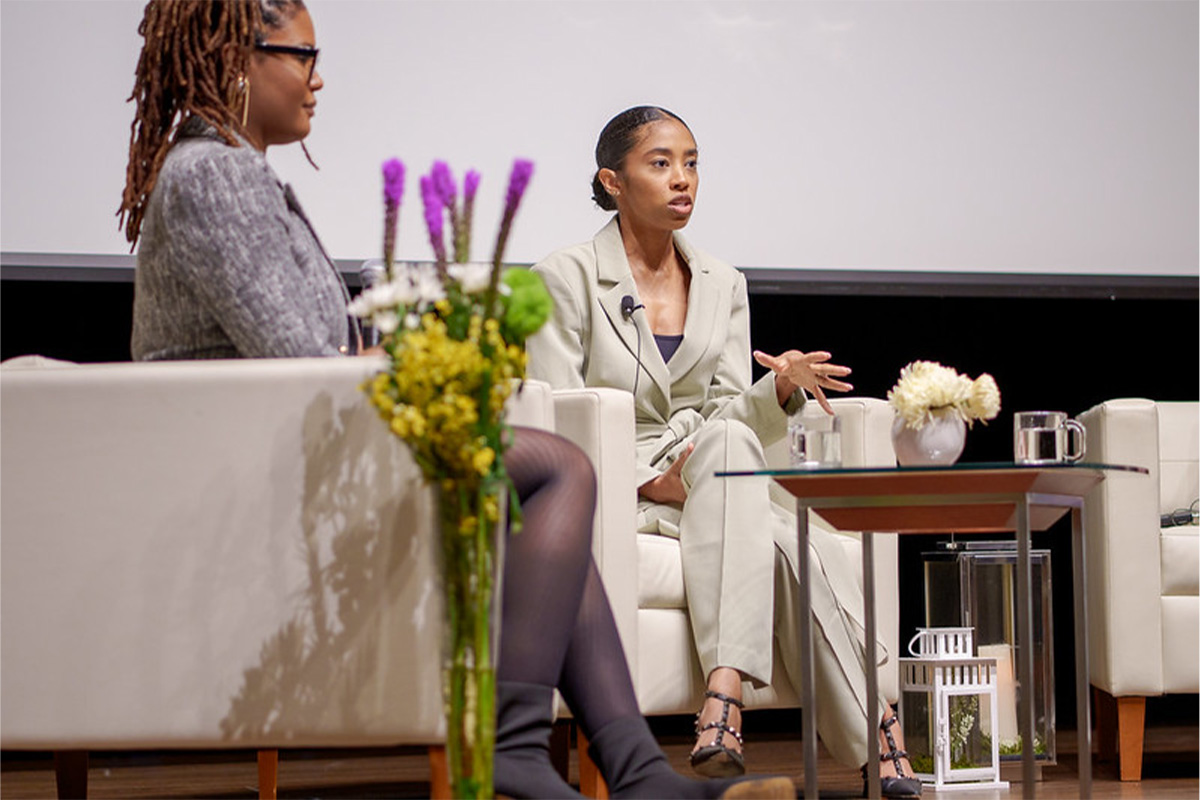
[(660, 572), (1180, 559), (1181, 641)]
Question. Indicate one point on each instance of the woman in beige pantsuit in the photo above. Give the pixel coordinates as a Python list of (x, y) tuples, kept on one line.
[(639, 308)]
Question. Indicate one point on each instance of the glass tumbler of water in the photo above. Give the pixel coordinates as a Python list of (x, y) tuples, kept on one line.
[(1042, 437), (815, 441)]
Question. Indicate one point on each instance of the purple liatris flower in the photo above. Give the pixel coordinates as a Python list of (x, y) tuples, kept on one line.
[(434, 220), (518, 180), (447, 191), (522, 171), (393, 191), (443, 182), (470, 185), (462, 232), (393, 181)]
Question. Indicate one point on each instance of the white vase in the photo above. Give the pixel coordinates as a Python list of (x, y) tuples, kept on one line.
[(938, 442)]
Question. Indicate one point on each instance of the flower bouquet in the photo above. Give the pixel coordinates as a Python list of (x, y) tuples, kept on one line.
[(454, 335), (927, 391), (934, 404)]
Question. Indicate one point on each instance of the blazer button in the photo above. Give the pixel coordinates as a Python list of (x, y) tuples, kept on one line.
[(344, 349)]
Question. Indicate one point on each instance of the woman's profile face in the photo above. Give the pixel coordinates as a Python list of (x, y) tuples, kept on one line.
[(282, 86), (656, 185)]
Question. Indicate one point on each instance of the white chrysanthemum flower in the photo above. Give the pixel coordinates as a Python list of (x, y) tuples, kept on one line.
[(386, 321), (397, 292), (474, 277), (925, 390), (383, 297), (984, 402), (359, 307), (427, 285)]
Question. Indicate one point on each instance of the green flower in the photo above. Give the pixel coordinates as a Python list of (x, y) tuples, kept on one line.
[(527, 305)]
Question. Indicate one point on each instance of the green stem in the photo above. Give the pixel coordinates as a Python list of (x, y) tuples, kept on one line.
[(470, 674)]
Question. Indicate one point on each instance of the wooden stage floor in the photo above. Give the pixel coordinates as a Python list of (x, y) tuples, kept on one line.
[(1171, 771)]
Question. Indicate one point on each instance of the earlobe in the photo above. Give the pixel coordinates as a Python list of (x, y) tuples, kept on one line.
[(610, 181)]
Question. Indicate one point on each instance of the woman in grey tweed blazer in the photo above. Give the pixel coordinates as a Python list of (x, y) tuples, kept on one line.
[(229, 267)]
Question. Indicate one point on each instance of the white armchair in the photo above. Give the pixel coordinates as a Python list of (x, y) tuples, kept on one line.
[(1143, 579), (228, 554), (642, 572)]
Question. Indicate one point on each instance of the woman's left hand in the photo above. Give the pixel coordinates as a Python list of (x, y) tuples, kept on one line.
[(810, 371)]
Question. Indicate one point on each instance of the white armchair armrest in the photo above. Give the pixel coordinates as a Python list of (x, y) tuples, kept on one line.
[(1124, 587), (600, 421)]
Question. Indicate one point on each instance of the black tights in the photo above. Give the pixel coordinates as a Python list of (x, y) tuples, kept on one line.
[(557, 627)]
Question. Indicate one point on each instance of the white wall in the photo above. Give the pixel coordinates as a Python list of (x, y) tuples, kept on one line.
[(996, 136)]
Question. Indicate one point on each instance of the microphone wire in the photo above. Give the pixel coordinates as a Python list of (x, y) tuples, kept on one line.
[(637, 370)]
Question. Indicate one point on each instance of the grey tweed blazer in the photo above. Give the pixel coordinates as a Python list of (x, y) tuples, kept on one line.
[(229, 266)]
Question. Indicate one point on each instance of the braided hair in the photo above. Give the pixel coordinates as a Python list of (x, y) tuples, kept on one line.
[(194, 54)]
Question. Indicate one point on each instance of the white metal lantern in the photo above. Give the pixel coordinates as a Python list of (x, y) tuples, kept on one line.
[(948, 711)]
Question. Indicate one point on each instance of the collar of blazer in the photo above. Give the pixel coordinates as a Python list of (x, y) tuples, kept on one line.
[(615, 280)]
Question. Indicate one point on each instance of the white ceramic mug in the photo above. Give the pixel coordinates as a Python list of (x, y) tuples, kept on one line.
[(815, 441), (1041, 437)]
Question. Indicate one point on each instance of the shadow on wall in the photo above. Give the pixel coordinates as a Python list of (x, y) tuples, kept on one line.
[(370, 600)]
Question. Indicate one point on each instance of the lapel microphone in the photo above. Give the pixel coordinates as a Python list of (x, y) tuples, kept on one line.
[(628, 306)]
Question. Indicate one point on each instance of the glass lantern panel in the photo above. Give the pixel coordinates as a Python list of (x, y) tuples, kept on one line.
[(919, 726), (990, 605), (970, 741)]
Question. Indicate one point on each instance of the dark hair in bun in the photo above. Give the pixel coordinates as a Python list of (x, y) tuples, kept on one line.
[(617, 139)]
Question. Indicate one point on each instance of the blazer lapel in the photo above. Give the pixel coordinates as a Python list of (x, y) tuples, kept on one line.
[(615, 281), (703, 302)]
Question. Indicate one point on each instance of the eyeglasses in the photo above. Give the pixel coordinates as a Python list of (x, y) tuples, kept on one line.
[(307, 55)]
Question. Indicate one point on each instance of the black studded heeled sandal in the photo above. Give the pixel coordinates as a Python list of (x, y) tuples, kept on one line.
[(716, 760), (898, 787)]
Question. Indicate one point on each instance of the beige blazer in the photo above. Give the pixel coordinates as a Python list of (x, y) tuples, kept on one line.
[(590, 343)]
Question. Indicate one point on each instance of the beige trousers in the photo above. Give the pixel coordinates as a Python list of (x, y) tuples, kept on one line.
[(741, 576)]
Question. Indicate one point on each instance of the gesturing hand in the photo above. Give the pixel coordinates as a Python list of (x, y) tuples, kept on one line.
[(811, 371), (668, 487)]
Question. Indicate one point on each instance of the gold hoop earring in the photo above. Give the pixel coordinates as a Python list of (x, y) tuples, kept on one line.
[(243, 88)]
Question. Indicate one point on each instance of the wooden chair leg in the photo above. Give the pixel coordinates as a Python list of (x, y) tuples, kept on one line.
[(1131, 731), (268, 774), (591, 782), (439, 773), (71, 773), (1121, 732)]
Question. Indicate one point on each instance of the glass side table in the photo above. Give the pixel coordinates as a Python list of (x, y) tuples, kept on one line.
[(961, 498)]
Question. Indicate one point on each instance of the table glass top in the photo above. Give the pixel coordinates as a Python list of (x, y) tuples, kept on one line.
[(964, 467)]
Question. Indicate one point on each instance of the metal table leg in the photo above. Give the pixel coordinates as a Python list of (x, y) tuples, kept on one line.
[(868, 585), (808, 685), (1025, 649), (1083, 710)]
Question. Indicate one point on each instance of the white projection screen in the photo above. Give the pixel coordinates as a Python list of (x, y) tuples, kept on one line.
[(992, 137)]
